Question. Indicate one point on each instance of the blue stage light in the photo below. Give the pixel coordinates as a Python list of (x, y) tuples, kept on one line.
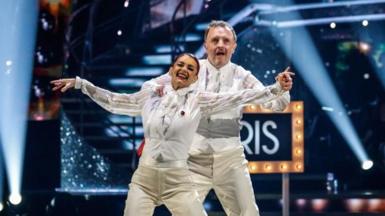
[(17, 41), (1, 179), (299, 47), (15, 198)]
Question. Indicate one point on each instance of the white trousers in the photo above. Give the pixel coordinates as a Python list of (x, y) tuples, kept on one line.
[(227, 173), (153, 186)]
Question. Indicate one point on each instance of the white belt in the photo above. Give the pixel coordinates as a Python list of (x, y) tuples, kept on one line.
[(149, 162)]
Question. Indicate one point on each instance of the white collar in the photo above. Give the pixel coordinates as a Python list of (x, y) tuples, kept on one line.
[(181, 91), (225, 67)]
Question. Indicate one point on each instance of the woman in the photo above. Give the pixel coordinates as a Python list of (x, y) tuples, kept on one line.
[(169, 123)]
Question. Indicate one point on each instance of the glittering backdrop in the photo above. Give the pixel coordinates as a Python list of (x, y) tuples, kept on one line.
[(258, 52), (83, 168)]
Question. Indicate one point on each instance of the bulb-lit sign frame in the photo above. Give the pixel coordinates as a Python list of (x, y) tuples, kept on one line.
[(296, 164)]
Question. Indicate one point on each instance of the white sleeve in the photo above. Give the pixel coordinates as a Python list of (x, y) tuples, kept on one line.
[(251, 82), (126, 104), (215, 102)]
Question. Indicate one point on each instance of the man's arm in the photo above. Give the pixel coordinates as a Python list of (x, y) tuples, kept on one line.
[(278, 104), (211, 103), (157, 84)]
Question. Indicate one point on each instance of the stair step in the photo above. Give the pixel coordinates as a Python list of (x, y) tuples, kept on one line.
[(189, 37), (117, 144), (105, 138), (114, 131), (121, 119), (95, 124), (148, 71), (127, 82), (164, 59), (201, 26)]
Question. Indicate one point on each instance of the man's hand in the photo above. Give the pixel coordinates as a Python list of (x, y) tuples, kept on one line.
[(285, 80), (159, 90), (63, 84)]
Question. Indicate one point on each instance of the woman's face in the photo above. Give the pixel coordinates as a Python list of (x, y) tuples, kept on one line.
[(183, 72)]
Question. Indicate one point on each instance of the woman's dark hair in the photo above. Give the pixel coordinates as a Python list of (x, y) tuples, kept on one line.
[(190, 55)]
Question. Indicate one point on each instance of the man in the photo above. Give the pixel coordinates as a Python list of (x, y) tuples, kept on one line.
[(217, 159)]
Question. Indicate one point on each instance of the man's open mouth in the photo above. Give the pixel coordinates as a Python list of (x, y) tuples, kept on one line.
[(220, 53)]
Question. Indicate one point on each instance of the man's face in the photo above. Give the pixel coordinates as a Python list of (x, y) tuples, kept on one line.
[(183, 72), (220, 46)]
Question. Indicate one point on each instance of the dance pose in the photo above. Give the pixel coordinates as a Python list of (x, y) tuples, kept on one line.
[(217, 159), (169, 123)]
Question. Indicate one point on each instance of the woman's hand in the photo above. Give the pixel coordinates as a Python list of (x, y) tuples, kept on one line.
[(63, 84)]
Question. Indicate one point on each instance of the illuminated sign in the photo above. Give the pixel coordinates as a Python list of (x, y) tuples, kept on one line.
[(273, 141)]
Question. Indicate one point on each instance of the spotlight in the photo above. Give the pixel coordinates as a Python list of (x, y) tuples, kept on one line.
[(283, 166), (364, 47), (15, 199), (328, 96), (1, 206), (367, 164), (8, 63), (126, 3), (46, 22), (365, 23), (267, 167), (301, 203), (328, 109), (40, 57), (15, 84), (375, 205), (119, 32), (319, 205), (366, 76), (355, 205), (298, 152)]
